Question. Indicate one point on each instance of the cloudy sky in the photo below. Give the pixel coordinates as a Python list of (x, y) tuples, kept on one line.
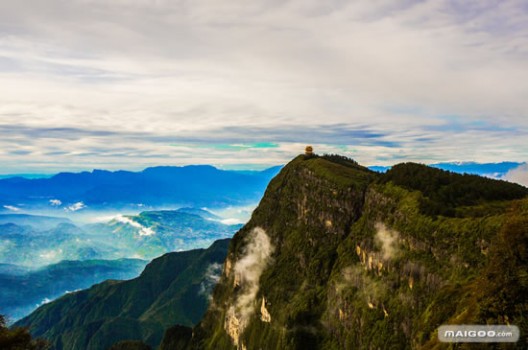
[(246, 84)]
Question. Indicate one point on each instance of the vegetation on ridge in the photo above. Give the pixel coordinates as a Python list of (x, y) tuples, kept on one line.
[(444, 191), (360, 262)]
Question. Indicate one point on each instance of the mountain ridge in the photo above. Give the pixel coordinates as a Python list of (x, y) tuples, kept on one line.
[(169, 290), (358, 263), (197, 185)]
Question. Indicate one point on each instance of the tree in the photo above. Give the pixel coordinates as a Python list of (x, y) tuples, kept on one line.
[(18, 338)]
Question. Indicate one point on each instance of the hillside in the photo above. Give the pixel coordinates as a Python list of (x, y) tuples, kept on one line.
[(173, 288), (339, 257), (23, 291)]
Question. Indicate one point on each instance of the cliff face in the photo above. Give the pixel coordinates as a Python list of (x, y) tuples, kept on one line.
[(336, 256)]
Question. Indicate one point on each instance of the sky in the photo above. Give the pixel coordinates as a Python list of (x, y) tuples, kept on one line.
[(127, 84)]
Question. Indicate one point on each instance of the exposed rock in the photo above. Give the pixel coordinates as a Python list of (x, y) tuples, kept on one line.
[(227, 267), (232, 326), (351, 245), (264, 313)]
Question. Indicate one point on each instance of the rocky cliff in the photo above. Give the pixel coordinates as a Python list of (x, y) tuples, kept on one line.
[(338, 257)]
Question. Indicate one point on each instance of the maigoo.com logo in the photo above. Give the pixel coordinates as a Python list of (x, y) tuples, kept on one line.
[(478, 334)]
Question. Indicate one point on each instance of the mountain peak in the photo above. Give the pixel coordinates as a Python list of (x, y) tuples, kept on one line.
[(335, 255)]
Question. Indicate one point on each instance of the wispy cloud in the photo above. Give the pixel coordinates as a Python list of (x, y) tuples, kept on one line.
[(114, 84), (248, 269), (75, 207), (11, 208), (142, 230), (55, 202), (387, 239)]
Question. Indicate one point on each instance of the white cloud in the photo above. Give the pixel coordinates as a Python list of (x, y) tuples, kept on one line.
[(236, 215), (142, 230), (75, 207), (211, 277), (51, 255), (434, 76), (72, 291), (55, 202), (147, 231), (231, 221), (519, 175), (248, 270), (44, 301), (11, 207), (388, 240)]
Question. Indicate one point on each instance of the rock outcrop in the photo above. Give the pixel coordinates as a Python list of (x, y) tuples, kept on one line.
[(360, 262)]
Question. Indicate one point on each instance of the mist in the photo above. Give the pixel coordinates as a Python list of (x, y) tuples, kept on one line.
[(518, 175), (387, 239), (248, 270)]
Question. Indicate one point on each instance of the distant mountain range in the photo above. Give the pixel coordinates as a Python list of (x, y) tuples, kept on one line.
[(38, 222), (34, 241), (24, 245), (157, 187), (153, 233), (173, 289), (195, 186), (79, 256)]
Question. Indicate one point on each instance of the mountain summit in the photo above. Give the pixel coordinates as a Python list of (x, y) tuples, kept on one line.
[(339, 257)]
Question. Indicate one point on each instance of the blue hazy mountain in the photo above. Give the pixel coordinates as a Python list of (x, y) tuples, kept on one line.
[(23, 290), (200, 212), (13, 270), (195, 186), (497, 170), (146, 236), (153, 233), (25, 246), (26, 176), (80, 256), (486, 169), (37, 222)]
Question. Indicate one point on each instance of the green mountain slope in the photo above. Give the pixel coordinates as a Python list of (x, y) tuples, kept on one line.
[(338, 257), (173, 288), (22, 292)]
